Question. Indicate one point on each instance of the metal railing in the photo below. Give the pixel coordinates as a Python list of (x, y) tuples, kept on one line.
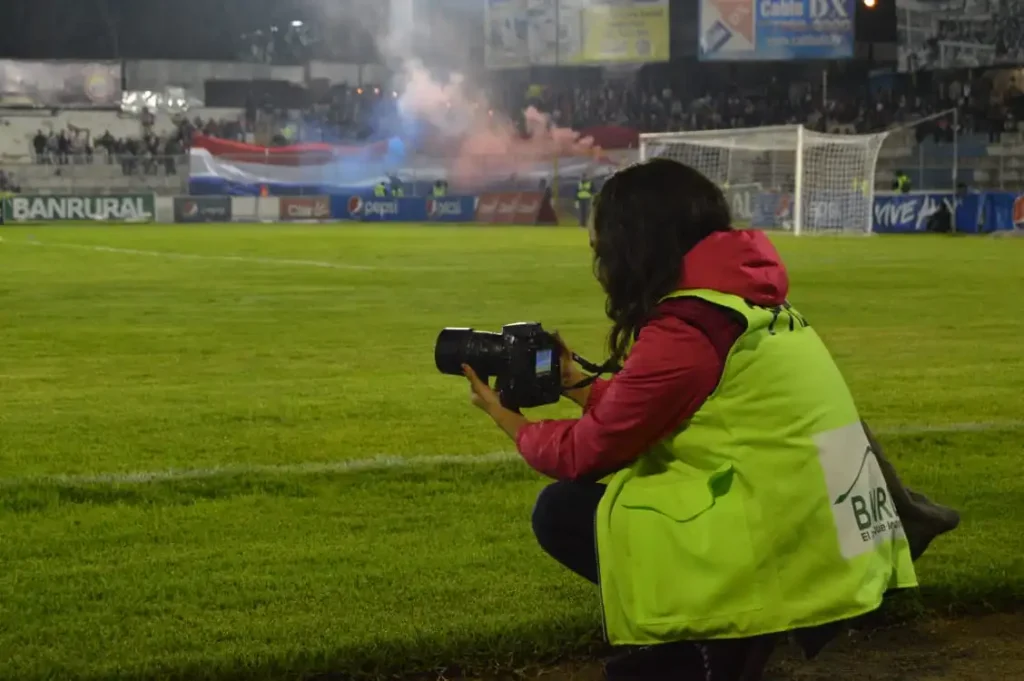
[(99, 173), (977, 164), (979, 161)]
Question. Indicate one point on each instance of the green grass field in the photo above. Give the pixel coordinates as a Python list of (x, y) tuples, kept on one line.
[(214, 441)]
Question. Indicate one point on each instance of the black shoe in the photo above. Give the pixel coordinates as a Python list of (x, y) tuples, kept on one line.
[(737, 660), (724, 660), (680, 661)]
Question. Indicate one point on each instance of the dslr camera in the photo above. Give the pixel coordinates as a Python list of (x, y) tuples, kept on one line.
[(525, 360)]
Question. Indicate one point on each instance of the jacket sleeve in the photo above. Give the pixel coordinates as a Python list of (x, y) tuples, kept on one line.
[(597, 391), (672, 368)]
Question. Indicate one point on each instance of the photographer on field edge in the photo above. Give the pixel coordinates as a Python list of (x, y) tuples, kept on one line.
[(746, 498)]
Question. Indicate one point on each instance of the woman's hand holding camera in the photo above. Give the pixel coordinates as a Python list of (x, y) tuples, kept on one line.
[(485, 398), (481, 395)]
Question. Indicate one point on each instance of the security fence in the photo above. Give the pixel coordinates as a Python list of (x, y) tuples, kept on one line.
[(100, 174)]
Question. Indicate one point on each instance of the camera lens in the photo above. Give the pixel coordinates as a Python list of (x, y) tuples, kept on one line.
[(482, 350)]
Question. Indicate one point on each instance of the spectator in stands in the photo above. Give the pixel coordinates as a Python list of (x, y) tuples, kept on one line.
[(128, 151), (107, 143), (80, 144), (7, 183), (147, 120), (39, 145), (63, 148)]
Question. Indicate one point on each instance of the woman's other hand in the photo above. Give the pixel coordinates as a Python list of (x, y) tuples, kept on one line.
[(572, 375)]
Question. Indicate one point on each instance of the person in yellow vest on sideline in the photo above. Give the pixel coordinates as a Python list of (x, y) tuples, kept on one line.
[(395, 186), (584, 199), (720, 489), (380, 190), (901, 183), (440, 189)]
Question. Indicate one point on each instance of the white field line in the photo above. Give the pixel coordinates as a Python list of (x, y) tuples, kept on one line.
[(390, 462), (377, 463), (278, 262)]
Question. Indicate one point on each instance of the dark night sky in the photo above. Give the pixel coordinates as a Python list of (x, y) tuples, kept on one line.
[(209, 29), (133, 29)]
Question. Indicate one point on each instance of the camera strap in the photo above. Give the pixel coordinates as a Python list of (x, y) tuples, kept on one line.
[(609, 367)]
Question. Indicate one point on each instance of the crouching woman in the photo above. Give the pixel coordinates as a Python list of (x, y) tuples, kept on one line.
[(745, 499)]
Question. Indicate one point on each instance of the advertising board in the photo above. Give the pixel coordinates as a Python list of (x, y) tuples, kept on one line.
[(779, 30), (202, 209), (47, 208)]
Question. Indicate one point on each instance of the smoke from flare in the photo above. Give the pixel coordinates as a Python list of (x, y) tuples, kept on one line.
[(481, 144)]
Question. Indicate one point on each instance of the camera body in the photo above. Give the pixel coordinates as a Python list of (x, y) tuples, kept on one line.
[(524, 359)]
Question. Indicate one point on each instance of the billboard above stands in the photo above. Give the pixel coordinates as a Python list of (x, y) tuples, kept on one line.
[(625, 32), (60, 84), (523, 33), (780, 30)]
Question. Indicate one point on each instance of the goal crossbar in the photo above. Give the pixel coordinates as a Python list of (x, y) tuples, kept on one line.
[(783, 176)]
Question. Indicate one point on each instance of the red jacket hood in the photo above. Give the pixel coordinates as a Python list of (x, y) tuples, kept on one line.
[(741, 262)]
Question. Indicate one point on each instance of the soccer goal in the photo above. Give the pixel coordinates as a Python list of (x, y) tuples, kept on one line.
[(785, 177)]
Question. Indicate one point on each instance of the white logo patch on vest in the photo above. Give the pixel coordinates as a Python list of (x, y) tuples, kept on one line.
[(862, 507)]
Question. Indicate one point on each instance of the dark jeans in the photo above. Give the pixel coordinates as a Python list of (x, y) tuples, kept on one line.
[(563, 522)]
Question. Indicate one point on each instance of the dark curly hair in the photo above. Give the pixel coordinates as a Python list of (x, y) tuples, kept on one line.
[(646, 218)]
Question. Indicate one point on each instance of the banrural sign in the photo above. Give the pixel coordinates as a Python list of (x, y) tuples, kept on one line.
[(121, 207)]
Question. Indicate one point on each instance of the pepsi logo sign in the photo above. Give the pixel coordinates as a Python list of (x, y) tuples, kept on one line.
[(439, 208), (355, 205)]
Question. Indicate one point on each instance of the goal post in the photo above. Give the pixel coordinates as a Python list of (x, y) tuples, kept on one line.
[(783, 177)]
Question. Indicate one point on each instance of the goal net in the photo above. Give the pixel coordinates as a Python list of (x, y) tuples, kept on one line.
[(784, 177)]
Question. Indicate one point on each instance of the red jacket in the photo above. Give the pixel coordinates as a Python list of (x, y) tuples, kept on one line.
[(673, 367)]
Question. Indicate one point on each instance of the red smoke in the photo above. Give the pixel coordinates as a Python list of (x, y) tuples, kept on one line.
[(482, 145)]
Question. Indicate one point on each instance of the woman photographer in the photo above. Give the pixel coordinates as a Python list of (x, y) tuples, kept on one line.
[(746, 498)]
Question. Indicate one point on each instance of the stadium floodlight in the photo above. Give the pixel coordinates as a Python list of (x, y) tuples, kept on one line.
[(783, 176)]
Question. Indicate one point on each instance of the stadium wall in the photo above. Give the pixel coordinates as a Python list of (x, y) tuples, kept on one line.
[(971, 213), (513, 207)]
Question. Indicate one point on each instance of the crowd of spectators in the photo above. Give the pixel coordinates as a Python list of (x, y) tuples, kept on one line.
[(854, 103), (847, 106), (149, 153), (349, 114), (978, 33)]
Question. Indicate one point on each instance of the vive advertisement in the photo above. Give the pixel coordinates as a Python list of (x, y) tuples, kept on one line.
[(891, 213), (405, 209), (903, 213)]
